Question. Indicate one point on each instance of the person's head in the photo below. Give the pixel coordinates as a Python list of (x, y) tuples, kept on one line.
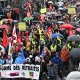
[(2, 52), (9, 57), (30, 56), (28, 59), (37, 59), (50, 62)]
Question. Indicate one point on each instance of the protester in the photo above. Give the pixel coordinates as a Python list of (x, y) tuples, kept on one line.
[(45, 40)]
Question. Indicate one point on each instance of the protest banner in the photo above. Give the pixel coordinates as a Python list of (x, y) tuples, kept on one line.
[(22, 26), (20, 71)]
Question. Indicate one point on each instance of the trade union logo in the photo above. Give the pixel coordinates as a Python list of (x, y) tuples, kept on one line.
[(23, 73)]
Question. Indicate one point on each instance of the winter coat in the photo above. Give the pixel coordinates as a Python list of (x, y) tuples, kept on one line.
[(19, 60), (64, 54), (2, 61), (57, 60)]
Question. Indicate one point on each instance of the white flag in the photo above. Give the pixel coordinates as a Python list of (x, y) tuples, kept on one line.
[(14, 35)]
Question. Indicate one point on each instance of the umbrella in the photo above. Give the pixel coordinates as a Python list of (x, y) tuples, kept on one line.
[(74, 75), (15, 21), (62, 9), (2, 15), (36, 14), (7, 9), (4, 26), (50, 2), (67, 26), (78, 4), (27, 19), (78, 29), (75, 24), (58, 15), (51, 13), (73, 38), (75, 55), (74, 52), (55, 35), (52, 21), (60, 3), (60, 22)]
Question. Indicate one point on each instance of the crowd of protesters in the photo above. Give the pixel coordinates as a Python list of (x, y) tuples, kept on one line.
[(43, 42)]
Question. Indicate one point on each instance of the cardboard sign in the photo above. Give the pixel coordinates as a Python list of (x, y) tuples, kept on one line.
[(22, 26), (71, 10)]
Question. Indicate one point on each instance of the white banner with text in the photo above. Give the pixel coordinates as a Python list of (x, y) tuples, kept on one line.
[(20, 71)]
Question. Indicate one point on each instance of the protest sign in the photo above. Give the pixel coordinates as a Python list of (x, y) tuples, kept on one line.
[(22, 26), (20, 71), (43, 10), (71, 10)]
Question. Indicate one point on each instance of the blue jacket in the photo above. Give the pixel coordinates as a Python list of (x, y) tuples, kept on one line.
[(2, 61), (19, 60), (56, 60)]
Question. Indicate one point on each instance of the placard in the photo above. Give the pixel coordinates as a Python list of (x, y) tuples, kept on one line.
[(71, 10), (22, 26), (43, 10)]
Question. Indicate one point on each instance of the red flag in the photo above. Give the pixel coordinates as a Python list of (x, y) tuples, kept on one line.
[(27, 38), (50, 7), (28, 14), (5, 39), (18, 38), (71, 32), (49, 30)]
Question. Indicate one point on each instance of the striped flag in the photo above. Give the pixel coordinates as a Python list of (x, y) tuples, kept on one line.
[(10, 47), (14, 35)]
